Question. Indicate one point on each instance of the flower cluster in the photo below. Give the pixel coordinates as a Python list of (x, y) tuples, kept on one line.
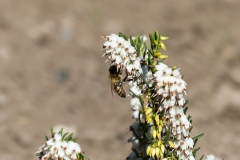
[(162, 129), (60, 148), (122, 54), (171, 86)]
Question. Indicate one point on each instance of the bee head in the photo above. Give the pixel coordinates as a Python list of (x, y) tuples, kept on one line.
[(113, 69)]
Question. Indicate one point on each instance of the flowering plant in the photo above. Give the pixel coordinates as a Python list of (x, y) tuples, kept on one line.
[(161, 130)]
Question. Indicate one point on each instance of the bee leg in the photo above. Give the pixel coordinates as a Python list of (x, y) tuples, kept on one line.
[(130, 79), (125, 78), (118, 84)]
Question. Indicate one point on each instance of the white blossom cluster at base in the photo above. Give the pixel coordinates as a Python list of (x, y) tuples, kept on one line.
[(212, 157), (56, 148)]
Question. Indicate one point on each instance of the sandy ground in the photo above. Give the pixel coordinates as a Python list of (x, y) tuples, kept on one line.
[(52, 73)]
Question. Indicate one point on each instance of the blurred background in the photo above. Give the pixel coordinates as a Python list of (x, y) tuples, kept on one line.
[(52, 73)]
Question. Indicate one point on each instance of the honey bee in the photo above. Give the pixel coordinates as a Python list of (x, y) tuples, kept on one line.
[(115, 76)]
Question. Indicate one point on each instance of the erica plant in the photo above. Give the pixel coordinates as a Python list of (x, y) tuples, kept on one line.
[(162, 127), (161, 130)]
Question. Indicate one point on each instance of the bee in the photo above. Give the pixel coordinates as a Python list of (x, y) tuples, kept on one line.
[(115, 76)]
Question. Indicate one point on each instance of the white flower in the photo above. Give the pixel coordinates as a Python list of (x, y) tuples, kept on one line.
[(190, 157), (58, 148), (148, 78), (136, 108), (212, 157), (135, 89), (169, 83), (184, 148), (122, 54), (135, 102), (138, 115)]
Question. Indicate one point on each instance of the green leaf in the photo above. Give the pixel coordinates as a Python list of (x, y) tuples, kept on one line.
[(161, 60), (131, 41), (139, 118), (190, 121), (69, 137), (138, 49), (151, 38), (51, 131), (195, 151), (150, 53), (168, 135), (135, 94), (149, 58), (185, 109), (150, 66), (186, 102), (156, 36), (64, 135), (123, 36), (190, 128), (201, 157), (195, 142), (167, 154), (46, 138), (61, 131), (75, 139), (149, 139), (195, 139)]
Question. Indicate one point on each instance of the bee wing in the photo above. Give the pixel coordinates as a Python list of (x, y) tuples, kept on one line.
[(112, 89), (111, 84)]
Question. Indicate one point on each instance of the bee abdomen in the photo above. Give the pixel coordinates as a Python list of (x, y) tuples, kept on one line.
[(119, 89)]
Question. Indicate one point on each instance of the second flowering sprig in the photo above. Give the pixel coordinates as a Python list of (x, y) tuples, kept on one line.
[(60, 147)]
